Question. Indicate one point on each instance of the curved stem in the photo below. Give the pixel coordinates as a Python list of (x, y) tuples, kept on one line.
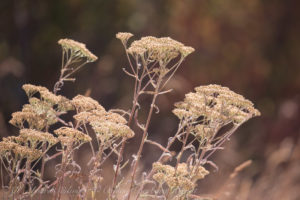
[(144, 136), (120, 157), (181, 126)]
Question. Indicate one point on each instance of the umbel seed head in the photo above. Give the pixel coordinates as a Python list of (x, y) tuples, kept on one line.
[(77, 49)]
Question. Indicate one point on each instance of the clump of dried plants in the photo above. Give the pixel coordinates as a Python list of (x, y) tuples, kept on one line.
[(152, 64)]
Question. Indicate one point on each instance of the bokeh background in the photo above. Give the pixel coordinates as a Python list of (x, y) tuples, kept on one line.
[(252, 47)]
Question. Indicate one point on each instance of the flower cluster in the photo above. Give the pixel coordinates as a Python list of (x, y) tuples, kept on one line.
[(35, 137), (27, 144), (82, 103), (183, 177), (124, 37), (162, 50), (30, 90), (9, 147), (215, 104), (210, 108), (108, 126), (42, 111), (77, 49), (202, 114), (62, 102), (68, 136)]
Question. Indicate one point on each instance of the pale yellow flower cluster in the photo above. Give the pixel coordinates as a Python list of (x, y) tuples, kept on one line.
[(107, 125), (62, 102), (68, 135), (203, 132), (29, 140), (82, 103), (36, 137), (14, 139), (29, 153), (183, 178), (109, 130), (32, 89), (77, 49), (33, 119), (18, 151), (7, 146), (162, 49), (43, 109), (124, 37), (215, 104)]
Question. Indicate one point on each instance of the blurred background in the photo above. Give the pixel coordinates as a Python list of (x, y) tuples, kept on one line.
[(252, 47)]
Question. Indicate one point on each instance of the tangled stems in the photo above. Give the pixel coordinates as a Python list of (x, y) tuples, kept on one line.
[(201, 115), (156, 93)]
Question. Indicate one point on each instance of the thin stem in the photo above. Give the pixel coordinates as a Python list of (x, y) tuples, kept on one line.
[(63, 168), (44, 148), (182, 148), (143, 137), (109, 154), (97, 163), (158, 145), (91, 144), (137, 87), (221, 142), (180, 128), (2, 176), (75, 70), (53, 156), (175, 67), (120, 157)]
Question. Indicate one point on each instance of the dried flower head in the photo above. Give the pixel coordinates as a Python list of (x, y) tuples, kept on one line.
[(48, 96), (199, 173), (124, 37), (180, 178), (71, 134), (158, 49), (14, 139), (19, 151), (32, 89), (77, 49), (43, 109), (162, 50), (26, 152), (114, 117), (34, 120), (185, 51), (182, 169), (64, 105), (82, 103), (35, 136), (108, 126), (215, 104), (7, 146), (108, 130)]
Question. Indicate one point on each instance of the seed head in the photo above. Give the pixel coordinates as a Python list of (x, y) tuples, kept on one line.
[(124, 37), (82, 103), (35, 136), (19, 151), (32, 89), (71, 134), (215, 104), (77, 49)]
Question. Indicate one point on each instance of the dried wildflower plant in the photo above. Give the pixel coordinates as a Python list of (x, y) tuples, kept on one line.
[(75, 55), (152, 63)]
